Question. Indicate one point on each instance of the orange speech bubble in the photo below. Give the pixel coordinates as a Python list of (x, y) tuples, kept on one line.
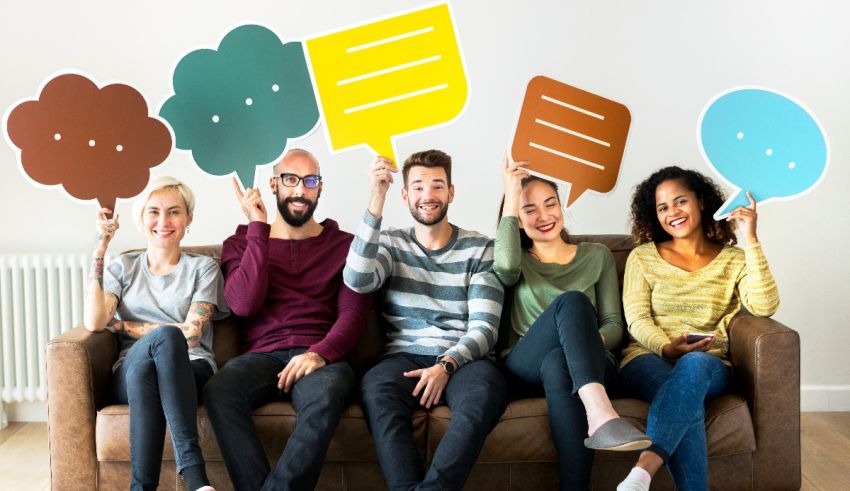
[(96, 142), (572, 135)]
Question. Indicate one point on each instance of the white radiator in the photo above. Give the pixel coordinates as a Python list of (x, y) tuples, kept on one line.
[(41, 295)]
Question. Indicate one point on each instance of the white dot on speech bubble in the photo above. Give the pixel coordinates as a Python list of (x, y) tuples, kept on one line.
[(275, 88), (740, 135), (768, 152), (792, 164), (57, 137), (119, 148), (249, 101), (91, 143), (215, 118)]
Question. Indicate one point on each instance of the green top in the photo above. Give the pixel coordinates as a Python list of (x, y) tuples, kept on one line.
[(537, 284)]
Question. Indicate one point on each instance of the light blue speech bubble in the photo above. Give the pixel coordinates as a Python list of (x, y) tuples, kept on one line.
[(764, 142)]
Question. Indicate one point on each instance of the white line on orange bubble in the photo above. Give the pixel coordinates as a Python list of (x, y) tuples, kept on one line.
[(570, 106), (566, 155), (395, 99), (388, 70), (572, 132), (389, 39)]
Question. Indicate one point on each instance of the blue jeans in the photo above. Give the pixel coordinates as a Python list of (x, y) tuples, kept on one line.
[(248, 382), (676, 423), (561, 352), (161, 385), (476, 394)]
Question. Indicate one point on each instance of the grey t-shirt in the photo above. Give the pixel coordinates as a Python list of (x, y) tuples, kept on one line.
[(144, 297)]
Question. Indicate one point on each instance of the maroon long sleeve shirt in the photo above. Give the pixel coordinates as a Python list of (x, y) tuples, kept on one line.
[(291, 292)]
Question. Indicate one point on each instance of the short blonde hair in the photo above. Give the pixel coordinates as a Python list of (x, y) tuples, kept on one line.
[(159, 183)]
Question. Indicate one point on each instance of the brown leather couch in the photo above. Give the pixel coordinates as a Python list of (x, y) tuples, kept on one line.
[(753, 433)]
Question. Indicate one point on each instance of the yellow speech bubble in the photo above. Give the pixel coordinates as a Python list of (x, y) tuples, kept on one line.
[(390, 77)]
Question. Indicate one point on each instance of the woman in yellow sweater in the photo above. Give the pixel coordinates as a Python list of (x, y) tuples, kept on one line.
[(683, 284)]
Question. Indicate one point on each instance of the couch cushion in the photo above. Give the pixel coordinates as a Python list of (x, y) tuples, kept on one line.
[(728, 424), (523, 433), (352, 441)]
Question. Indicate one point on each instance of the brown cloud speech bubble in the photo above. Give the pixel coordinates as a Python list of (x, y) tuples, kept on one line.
[(97, 143), (572, 135)]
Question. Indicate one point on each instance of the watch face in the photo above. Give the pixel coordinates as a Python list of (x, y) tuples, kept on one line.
[(450, 368)]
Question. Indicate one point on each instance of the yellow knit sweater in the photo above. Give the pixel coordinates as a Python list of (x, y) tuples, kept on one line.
[(662, 301)]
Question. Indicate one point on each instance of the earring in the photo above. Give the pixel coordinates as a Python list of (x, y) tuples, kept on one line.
[(187, 229)]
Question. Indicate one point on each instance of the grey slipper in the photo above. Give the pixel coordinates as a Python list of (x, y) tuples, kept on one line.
[(617, 435)]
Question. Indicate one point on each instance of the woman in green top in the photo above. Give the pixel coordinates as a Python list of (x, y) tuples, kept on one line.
[(564, 313)]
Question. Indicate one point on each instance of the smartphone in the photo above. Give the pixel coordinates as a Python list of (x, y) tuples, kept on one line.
[(693, 337)]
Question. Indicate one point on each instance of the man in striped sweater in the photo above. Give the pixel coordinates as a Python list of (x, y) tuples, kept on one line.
[(441, 304)]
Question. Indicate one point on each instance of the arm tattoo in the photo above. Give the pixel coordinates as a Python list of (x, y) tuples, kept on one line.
[(200, 313), (96, 272)]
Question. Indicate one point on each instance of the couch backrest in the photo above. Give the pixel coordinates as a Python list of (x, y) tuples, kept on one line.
[(371, 346)]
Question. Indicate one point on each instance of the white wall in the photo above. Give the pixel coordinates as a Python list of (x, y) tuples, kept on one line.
[(663, 59)]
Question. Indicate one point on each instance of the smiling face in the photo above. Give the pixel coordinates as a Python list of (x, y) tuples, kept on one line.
[(540, 214), (678, 209), (296, 204), (165, 218), (428, 194)]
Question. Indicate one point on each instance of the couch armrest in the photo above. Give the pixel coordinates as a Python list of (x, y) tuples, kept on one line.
[(766, 359), (79, 368)]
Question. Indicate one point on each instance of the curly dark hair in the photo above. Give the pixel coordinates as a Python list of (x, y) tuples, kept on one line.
[(525, 241), (645, 224)]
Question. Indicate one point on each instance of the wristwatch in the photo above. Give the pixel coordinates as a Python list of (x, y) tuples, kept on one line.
[(448, 366)]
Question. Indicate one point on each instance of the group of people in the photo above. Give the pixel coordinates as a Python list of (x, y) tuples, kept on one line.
[(304, 291)]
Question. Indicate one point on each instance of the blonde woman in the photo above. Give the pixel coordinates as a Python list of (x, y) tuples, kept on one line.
[(160, 303)]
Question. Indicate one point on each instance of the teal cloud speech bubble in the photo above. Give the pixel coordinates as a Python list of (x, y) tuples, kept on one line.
[(238, 106), (764, 142)]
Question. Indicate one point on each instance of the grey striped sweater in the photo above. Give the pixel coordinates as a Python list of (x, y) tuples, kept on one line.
[(442, 303)]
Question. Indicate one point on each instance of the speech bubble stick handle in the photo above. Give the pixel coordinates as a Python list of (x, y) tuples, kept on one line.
[(108, 203), (386, 151), (246, 176), (738, 199), (575, 192)]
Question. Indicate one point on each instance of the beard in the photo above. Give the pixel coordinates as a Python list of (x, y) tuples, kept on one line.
[(299, 218), (443, 208)]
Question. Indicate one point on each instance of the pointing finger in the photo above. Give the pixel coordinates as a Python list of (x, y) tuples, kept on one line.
[(237, 188), (752, 201)]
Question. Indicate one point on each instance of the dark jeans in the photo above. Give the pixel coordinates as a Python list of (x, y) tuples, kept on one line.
[(561, 352), (676, 422), (248, 382), (476, 394), (161, 385)]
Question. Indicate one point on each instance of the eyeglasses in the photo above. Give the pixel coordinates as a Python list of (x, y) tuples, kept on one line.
[(311, 181)]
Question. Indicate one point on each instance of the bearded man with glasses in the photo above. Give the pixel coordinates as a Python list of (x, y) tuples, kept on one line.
[(300, 322)]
